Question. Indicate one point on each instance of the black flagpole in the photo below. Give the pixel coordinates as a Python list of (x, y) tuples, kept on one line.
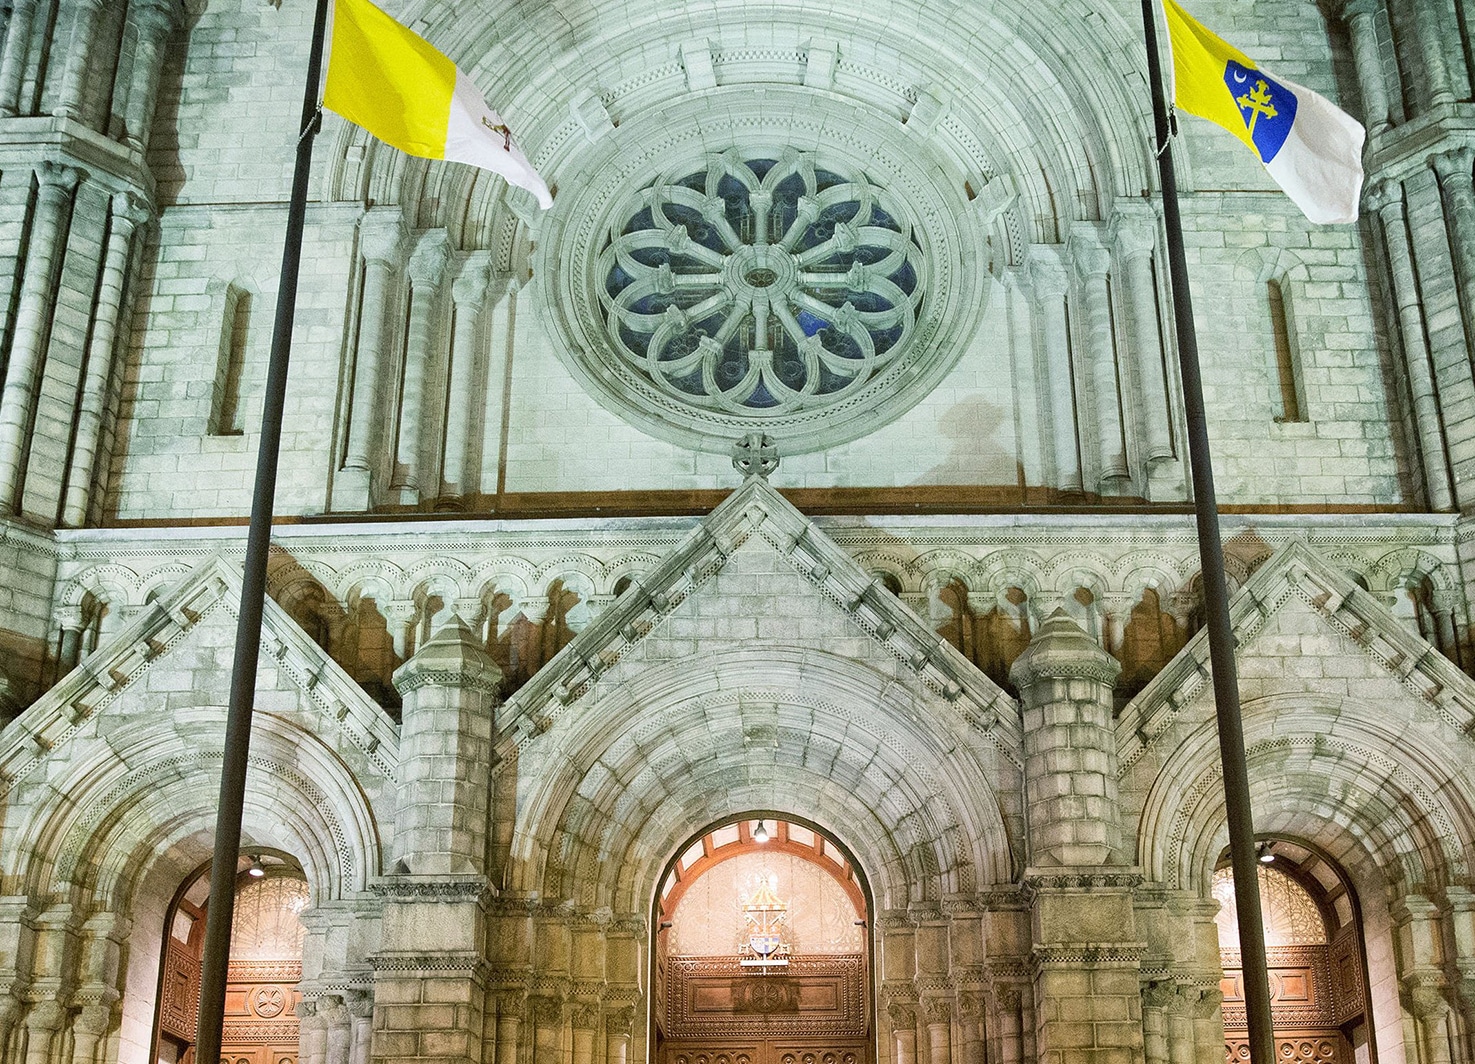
[(1242, 857), (216, 958)]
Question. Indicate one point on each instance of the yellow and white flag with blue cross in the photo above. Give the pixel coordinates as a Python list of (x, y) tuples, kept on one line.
[(392, 82), (1311, 148)]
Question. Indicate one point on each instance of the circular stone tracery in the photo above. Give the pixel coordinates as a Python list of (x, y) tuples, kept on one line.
[(760, 287)]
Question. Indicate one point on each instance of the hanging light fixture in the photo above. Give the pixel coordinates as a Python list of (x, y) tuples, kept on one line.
[(1266, 857), (760, 833), (256, 870)]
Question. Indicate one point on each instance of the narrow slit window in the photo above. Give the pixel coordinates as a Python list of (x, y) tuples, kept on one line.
[(225, 406), (1291, 399)]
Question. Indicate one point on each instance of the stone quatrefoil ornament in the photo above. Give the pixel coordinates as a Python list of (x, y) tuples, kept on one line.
[(761, 287)]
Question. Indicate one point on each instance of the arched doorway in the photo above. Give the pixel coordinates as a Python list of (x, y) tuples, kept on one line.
[(1314, 947), (265, 965), (762, 950)]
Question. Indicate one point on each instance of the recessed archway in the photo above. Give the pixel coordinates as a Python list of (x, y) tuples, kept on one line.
[(762, 949), (1314, 942)]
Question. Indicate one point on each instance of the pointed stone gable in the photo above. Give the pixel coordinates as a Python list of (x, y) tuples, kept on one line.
[(1302, 626), (756, 569), (175, 657)]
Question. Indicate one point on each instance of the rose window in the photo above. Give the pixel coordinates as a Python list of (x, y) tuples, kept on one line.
[(761, 287)]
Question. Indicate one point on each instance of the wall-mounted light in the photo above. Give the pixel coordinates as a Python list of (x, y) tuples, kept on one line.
[(1266, 857), (256, 871), (760, 833)]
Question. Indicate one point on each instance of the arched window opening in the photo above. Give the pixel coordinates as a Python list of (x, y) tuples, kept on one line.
[(762, 949), (1289, 395), (265, 965), (230, 363), (1316, 957)]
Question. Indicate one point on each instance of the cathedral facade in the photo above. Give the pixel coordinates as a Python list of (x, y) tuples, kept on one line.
[(749, 612)]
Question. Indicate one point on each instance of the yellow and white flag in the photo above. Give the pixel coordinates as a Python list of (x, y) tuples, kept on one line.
[(390, 81), (1311, 147)]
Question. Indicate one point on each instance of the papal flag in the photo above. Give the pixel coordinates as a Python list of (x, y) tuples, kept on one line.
[(1311, 147), (390, 81)]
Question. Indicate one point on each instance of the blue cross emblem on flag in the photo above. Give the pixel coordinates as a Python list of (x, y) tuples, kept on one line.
[(1267, 107)]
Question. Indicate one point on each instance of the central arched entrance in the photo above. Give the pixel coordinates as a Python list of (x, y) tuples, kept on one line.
[(762, 951)]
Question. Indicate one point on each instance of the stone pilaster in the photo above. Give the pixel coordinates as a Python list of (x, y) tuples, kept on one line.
[(128, 213), (1386, 199), (56, 186), (13, 58), (1048, 279), (154, 21), (1092, 266), (430, 975), (1065, 682), (450, 696), (1086, 966), (426, 270), (468, 297), (1134, 234), (1367, 57), (380, 235)]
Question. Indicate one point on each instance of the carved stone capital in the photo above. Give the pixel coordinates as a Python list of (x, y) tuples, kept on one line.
[(938, 1010), (1353, 9), (431, 256), (547, 1011), (1454, 165), (380, 234), (1046, 272), (620, 1020), (901, 1015), (1381, 195), (1133, 229), (130, 210), (58, 180), (474, 279), (1087, 254)]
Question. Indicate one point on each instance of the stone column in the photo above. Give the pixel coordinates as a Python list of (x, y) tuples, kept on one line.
[(618, 1024), (1065, 682), (450, 696), (88, 1029), (1457, 189), (509, 1022), (1431, 48), (361, 1008), (9, 1013), (128, 214), (547, 1029), (468, 296), (337, 1027), (312, 1034), (585, 1024), (975, 1037), (42, 1026), (426, 270), (1093, 265), (78, 59), (380, 235), (1368, 58), (154, 21), (1386, 198), (904, 1032), (33, 321), (13, 58), (1155, 1001), (1047, 278), (1180, 1029), (939, 1030), (1135, 237)]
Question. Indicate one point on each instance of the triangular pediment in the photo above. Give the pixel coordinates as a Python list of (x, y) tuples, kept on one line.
[(856, 609), (188, 630), (1299, 607)]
